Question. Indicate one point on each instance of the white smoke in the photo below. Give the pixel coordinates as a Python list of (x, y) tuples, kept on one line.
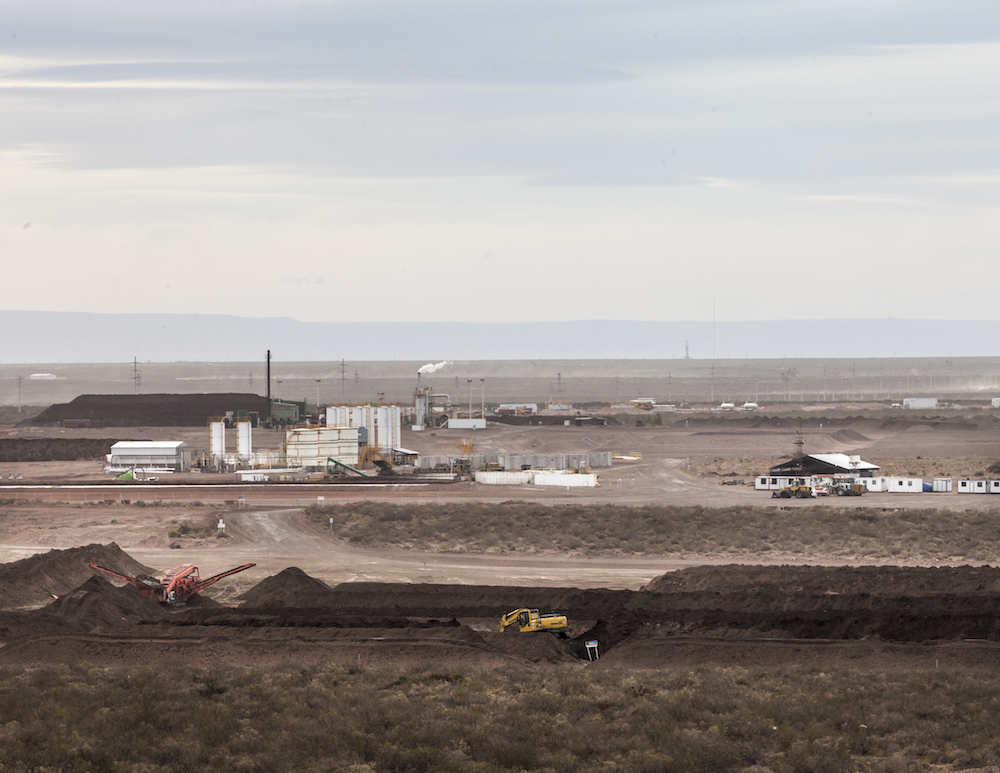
[(434, 367)]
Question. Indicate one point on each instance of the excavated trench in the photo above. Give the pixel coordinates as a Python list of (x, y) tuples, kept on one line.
[(704, 614)]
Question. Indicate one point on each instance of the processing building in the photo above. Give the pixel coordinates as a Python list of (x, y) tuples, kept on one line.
[(151, 454)]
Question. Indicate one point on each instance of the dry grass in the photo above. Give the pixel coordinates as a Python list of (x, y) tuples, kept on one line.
[(611, 530), (178, 718)]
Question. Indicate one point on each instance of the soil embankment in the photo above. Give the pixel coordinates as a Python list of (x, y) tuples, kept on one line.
[(862, 616)]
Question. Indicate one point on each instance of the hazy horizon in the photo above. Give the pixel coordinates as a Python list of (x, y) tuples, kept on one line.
[(69, 337)]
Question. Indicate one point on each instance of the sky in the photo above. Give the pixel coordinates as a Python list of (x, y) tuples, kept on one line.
[(487, 161)]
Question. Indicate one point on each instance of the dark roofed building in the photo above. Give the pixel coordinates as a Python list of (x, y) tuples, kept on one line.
[(826, 464)]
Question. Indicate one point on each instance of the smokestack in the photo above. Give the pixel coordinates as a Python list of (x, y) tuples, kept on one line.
[(268, 375)]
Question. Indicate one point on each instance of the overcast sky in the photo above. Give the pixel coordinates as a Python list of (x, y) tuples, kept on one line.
[(502, 160)]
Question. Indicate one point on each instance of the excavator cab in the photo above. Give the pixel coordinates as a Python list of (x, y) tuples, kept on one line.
[(530, 620)]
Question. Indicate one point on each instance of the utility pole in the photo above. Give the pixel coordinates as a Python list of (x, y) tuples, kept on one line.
[(470, 397), (482, 399), (136, 376)]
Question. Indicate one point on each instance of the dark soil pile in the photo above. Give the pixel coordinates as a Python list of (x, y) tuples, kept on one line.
[(54, 449), (96, 605), (291, 588), (161, 410), (41, 578), (876, 580), (99, 604), (535, 647)]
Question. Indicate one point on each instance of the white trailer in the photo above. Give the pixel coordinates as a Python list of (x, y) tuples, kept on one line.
[(875, 484), (905, 485)]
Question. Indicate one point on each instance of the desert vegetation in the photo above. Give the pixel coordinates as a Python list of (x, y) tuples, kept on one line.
[(179, 718), (613, 530)]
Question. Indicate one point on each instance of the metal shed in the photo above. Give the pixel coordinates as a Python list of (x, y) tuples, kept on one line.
[(157, 454)]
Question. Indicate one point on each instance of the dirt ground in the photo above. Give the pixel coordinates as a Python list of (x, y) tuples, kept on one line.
[(345, 604)]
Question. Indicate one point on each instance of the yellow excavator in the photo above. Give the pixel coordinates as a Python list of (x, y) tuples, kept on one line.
[(530, 620)]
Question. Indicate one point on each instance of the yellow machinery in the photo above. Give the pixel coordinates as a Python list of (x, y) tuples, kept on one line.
[(845, 488), (467, 446), (530, 620), (797, 491)]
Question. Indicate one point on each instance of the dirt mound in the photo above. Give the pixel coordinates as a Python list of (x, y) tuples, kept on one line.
[(536, 647), (290, 588), (38, 579), (849, 435), (99, 604), (157, 410), (833, 580), (55, 449)]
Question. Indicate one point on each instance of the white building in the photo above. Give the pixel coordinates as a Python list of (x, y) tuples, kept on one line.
[(381, 423), (311, 447), (155, 454), (920, 402)]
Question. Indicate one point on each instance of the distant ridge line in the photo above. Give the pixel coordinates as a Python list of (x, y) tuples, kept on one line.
[(84, 337)]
